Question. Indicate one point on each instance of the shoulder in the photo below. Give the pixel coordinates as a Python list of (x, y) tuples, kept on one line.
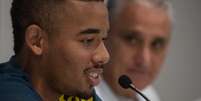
[(13, 90), (14, 86)]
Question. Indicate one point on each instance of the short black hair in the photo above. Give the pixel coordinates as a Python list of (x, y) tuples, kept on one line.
[(43, 13), (28, 12)]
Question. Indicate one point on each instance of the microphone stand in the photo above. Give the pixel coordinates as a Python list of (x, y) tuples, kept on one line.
[(136, 90)]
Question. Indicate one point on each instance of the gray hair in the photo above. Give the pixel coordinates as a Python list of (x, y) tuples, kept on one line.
[(115, 6)]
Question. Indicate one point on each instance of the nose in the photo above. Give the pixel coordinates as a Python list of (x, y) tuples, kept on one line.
[(143, 58), (101, 55)]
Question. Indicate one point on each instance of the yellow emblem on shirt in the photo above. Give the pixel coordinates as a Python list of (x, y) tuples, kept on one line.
[(74, 98)]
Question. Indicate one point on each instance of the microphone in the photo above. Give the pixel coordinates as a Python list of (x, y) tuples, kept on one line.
[(126, 83)]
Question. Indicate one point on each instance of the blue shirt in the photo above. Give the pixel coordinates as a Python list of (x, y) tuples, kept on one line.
[(14, 84)]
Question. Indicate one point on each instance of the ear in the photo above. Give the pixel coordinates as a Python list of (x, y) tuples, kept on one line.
[(35, 39)]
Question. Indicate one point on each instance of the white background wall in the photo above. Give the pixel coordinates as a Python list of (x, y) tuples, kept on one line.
[(180, 79), (6, 41)]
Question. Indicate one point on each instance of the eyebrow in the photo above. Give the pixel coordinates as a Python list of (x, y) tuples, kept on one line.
[(161, 39), (90, 31), (131, 33)]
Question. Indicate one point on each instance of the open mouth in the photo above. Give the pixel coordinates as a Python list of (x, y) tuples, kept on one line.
[(94, 75)]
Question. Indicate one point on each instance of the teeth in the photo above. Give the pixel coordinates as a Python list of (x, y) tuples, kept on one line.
[(94, 75)]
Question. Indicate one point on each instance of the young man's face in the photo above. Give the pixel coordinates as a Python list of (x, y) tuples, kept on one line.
[(138, 42), (76, 53)]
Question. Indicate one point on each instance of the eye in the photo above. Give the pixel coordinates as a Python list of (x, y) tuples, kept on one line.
[(131, 39), (104, 39), (88, 41), (158, 44)]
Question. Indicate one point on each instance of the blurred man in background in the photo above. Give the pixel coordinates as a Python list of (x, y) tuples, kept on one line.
[(137, 42)]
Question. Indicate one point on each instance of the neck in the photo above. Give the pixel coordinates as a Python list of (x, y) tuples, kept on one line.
[(45, 92), (32, 68)]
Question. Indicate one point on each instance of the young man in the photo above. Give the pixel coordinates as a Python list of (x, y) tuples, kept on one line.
[(137, 42), (58, 48)]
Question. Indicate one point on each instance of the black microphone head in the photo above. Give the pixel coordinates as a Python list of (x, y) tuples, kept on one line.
[(125, 81)]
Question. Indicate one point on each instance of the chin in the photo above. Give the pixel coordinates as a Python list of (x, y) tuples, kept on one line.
[(87, 92)]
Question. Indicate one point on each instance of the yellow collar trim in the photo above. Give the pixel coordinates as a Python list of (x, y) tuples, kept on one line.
[(74, 98)]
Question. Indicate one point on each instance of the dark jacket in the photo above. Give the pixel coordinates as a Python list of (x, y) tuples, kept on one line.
[(14, 84)]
